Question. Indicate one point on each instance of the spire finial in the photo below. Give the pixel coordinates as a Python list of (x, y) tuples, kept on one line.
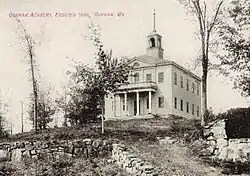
[(154, 21)]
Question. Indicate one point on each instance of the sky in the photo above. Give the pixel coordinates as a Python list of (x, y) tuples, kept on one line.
[(61, 39)]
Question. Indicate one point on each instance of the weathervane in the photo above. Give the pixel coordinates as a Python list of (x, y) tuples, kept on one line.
[(154, 21)]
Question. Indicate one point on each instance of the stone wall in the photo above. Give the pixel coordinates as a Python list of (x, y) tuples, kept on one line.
[(16, 151), (222, 148), (86, 148), (131, 163)]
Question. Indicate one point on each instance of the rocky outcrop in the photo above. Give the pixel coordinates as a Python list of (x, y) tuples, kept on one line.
[(218, 146), (216, 139), (131, 163)]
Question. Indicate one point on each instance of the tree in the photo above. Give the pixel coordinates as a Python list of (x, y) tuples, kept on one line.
[(3, 111), (97, 83), (63, 102), (28, 44), (82, 105), (235, 44), (46, 108), (111, 71), (206, 26)]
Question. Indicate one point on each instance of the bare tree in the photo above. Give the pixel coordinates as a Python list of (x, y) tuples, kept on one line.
[(28, 44), (206, 25)]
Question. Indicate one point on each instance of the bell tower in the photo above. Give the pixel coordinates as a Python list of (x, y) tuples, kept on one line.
[(154, 40)]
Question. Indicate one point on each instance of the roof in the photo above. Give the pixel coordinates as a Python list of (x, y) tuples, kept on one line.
[(149, 59), (155, 61)]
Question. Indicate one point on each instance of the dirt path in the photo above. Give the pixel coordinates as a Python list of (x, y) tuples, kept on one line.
[(173, 160)]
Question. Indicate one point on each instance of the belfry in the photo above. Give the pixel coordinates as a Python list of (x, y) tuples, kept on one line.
[(154, 39)]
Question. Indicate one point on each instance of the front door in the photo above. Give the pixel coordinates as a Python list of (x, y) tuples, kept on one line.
[(135, 107)]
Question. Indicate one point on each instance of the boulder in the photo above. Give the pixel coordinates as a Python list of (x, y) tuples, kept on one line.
[(96, 143), (3, 154), (16, 155)]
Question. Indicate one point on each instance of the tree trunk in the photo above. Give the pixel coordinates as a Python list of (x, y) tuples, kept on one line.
[(65, 110), (43, 123), (34, 89), (103, 104), (204, 79), (65, 120), (249, 86), (204, 97), (205, 28), (44, 117)]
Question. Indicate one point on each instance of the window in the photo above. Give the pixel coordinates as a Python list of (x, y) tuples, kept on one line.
[(161, 102), (181, 105), (148, 77), (198, 89), (112, 105), (175, 102), (187, 107), (181, 81), (175, 78), (187, 84), (147, 103), (192, 109), (137, 78), (152, 42), (198, 111), (193, 87), (160, 77), (136, 64), (123, 104)]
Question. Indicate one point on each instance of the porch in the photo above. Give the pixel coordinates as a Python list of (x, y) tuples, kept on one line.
[(136, 100)]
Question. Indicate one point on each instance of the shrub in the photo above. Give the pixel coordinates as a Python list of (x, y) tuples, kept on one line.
[(230, 167), (62, 164), (188, 129), (6, 168), (237, 122), (156, 116), (211, 116)]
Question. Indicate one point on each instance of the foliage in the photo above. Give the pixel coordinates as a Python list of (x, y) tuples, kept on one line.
[(46, 108), (3, 111), (237, 122), (91, 85), (156, 116), (6, 168), (82, 106), (62, 166), (235, 50), (211, 116), (111, 72)]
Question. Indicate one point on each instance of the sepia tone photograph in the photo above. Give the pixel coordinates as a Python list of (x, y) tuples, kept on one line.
[(124, 88)]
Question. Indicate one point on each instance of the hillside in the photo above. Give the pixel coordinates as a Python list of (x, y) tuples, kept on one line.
[(162, 142)]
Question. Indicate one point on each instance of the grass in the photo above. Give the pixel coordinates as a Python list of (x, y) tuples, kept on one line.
[(67, 167), (182, 128), (130, 130)]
